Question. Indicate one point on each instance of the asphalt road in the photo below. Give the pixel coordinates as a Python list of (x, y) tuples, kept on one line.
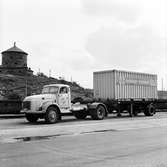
[(114, 142)]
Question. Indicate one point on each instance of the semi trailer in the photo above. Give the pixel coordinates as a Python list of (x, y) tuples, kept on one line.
[(114, 92)]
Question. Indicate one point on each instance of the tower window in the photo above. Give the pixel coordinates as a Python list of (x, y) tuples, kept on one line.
[(20, 57)]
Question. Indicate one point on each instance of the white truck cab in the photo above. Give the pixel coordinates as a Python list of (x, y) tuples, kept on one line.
[(53, 102), (61, 95)]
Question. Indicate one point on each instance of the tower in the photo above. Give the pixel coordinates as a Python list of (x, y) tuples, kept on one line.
[(14, 61)]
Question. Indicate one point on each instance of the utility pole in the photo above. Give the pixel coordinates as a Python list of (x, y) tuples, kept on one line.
[(162, 84), (50, 73), (26, 86)]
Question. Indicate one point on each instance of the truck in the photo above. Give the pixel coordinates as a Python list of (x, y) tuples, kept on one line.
[(114, 92)]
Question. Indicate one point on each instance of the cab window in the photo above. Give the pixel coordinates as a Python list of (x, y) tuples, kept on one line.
[(63, 90), (50, 89)]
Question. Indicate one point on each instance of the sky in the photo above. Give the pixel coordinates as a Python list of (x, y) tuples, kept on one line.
[(74, 38)]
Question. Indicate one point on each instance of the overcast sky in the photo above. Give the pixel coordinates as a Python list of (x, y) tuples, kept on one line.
[(73, 38)]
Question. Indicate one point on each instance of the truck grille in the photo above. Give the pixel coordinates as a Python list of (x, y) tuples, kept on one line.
[(27, 104)]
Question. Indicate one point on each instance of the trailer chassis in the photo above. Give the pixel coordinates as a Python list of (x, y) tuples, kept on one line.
[(132, 106)]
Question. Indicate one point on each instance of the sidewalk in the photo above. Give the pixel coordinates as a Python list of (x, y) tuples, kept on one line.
[(10, 116)]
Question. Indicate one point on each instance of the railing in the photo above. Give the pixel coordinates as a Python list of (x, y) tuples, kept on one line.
[(10, 106)]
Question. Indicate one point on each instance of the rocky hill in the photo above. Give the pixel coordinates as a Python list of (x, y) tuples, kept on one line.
[(22, 86)]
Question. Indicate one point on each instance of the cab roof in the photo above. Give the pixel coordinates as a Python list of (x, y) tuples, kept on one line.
[(58, 85)]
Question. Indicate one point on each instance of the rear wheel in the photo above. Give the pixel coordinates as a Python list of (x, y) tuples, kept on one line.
[(80, 114), (32, 118), (149, 110), (52, 115), (99, 113)]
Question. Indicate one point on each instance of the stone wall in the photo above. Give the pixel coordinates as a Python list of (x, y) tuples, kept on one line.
[(14, 60)]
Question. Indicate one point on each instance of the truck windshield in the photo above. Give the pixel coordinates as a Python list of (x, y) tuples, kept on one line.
[(50, 89)]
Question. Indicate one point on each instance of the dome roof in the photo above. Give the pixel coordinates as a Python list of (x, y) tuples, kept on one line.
[(14, 49)]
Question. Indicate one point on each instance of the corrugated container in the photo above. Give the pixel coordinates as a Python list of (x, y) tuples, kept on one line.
[(162, 94), (115, 84)]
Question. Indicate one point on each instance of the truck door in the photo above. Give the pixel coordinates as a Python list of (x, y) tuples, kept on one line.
[(64, 98)]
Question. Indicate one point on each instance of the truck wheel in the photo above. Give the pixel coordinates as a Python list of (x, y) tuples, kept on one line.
[(149, 110), (80, 114), (98, 113), (31, 118), (52, 115)]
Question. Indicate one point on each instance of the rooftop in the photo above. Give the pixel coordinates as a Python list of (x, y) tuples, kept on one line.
[(57, 85), (14, 49)]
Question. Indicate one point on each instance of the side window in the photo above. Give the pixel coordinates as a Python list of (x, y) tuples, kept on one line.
[(63, 90), (67, 90)]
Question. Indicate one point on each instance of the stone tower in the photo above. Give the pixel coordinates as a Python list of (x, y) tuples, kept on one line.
[(14, 61)]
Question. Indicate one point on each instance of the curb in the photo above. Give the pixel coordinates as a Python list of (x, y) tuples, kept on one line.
[(11, 116)]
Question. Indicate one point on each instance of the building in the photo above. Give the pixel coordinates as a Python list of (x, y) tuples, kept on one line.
[(14, 61), (162, 94)]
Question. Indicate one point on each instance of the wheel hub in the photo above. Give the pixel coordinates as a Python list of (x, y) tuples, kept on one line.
[(52, 115), (100, 112)]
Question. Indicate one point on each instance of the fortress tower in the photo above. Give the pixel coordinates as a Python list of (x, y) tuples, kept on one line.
[(14, 61)]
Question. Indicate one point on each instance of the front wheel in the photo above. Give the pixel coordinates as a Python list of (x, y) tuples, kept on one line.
[(52, 115), (99, 113), (32, 118)]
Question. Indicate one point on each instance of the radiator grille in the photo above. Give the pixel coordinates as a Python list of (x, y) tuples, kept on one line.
[(27, 105)]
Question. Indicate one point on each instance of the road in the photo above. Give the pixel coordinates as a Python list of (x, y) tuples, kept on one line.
[(116, 142)]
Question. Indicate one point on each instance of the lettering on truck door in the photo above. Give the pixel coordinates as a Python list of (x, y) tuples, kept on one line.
[(64, 98)]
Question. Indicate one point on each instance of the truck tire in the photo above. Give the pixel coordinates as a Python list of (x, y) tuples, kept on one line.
[(80, 114), (99, 113), (52, 115), (149, 110), (32, 118)]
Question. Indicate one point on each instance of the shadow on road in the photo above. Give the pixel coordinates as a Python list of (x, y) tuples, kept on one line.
[(71, 119)]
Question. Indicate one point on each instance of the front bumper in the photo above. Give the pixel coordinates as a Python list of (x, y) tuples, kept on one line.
[(26, 111)]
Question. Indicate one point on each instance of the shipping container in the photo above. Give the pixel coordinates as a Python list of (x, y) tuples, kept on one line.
[(124, 85)]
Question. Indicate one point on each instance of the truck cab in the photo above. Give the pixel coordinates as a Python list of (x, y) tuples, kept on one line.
[(55, 97), (55, 101), (62, 95)]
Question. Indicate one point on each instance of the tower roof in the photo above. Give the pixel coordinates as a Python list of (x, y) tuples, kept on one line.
[(14, 49)]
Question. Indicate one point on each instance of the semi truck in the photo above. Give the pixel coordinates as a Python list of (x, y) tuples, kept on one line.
[(114, 92)]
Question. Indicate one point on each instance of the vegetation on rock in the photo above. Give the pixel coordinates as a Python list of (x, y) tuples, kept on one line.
[(17, 87)]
